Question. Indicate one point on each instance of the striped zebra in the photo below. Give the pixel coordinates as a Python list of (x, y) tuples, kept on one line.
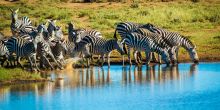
[(98, 46), (81, 33), (58, 49), (75, 35), (157, 38), (44, 50), (175, 40), (23, 48), (142, 43), (16, 23), (123, 28), (68, 47), (54, 32), (3, 52), (71, 32)]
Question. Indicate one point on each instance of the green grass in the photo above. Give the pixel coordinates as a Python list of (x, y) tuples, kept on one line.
[(17, 74), (200, 21)]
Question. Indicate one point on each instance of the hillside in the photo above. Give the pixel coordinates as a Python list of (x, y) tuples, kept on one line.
[(199, 21)]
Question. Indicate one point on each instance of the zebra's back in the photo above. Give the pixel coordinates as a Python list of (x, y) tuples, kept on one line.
[(20, 46)]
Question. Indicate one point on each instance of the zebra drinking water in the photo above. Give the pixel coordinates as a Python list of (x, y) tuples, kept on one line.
[(142, 43), (98, 46), (176, 40)]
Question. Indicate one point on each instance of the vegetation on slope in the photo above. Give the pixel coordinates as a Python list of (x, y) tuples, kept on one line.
[(198, 21)]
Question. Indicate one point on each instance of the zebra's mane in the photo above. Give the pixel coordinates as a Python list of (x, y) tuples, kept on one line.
[(188, 41)]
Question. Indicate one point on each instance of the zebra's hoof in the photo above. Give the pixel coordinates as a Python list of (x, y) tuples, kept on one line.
[(61, 68)]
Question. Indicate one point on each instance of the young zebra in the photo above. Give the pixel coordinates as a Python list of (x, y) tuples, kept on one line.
[(23, 48), (176, 40), (17, 24), (98, 46), (142, 43)]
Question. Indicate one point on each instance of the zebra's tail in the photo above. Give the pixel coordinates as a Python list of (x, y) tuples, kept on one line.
[(115, 34)]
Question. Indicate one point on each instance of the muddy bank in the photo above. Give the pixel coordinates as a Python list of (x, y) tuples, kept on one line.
[(16, 82)]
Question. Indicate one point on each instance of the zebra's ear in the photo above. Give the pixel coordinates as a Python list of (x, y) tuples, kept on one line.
[(54, 21), (48, 21), (16, 11)]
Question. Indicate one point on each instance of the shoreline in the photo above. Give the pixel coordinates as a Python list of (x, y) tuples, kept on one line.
[(74, 65), (17, 82)]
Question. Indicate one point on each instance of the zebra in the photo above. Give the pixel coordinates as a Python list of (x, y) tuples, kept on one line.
[(68, 47), (54, 32), (23, 48), (158, 39), (126, 27), (71, 32), (142, 43), (99, 46), (3, 52), (175, 40), (84, 32), (44, 50), (16, 23), (75, 35), (58, 50)]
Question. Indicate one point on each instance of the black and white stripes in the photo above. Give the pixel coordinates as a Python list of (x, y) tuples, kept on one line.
[(90, 45), (142, 43)]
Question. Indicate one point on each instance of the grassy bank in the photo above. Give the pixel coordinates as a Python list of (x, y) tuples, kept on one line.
[(14, 76), (199, 21)]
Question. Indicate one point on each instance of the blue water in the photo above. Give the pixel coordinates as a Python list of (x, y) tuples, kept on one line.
[(182, 87)]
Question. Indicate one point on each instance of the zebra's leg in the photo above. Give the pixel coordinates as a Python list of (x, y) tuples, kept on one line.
[(59, 65), (31, 63), (129, 57), (139, 57), (159, 59), (19, 62), (103, 59), (88, 63), (35, 62), (108, 59), (154, 59), (48, 62), (177, 52), (123, 60), (135, 56), (148, 57), (173, 55)]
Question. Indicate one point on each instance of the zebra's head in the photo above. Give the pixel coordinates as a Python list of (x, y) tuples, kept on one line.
[(51, 26), (71, 26), (58, 33), (14, 14), (193, 54), (79, 35), (119, 46), (150, 27), (44, 28), (165, 56), (39, 37)]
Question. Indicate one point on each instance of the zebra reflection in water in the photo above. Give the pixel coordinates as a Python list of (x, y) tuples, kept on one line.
[(155, 74)]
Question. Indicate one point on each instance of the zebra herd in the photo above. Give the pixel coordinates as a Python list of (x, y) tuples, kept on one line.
[(46, 42)]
